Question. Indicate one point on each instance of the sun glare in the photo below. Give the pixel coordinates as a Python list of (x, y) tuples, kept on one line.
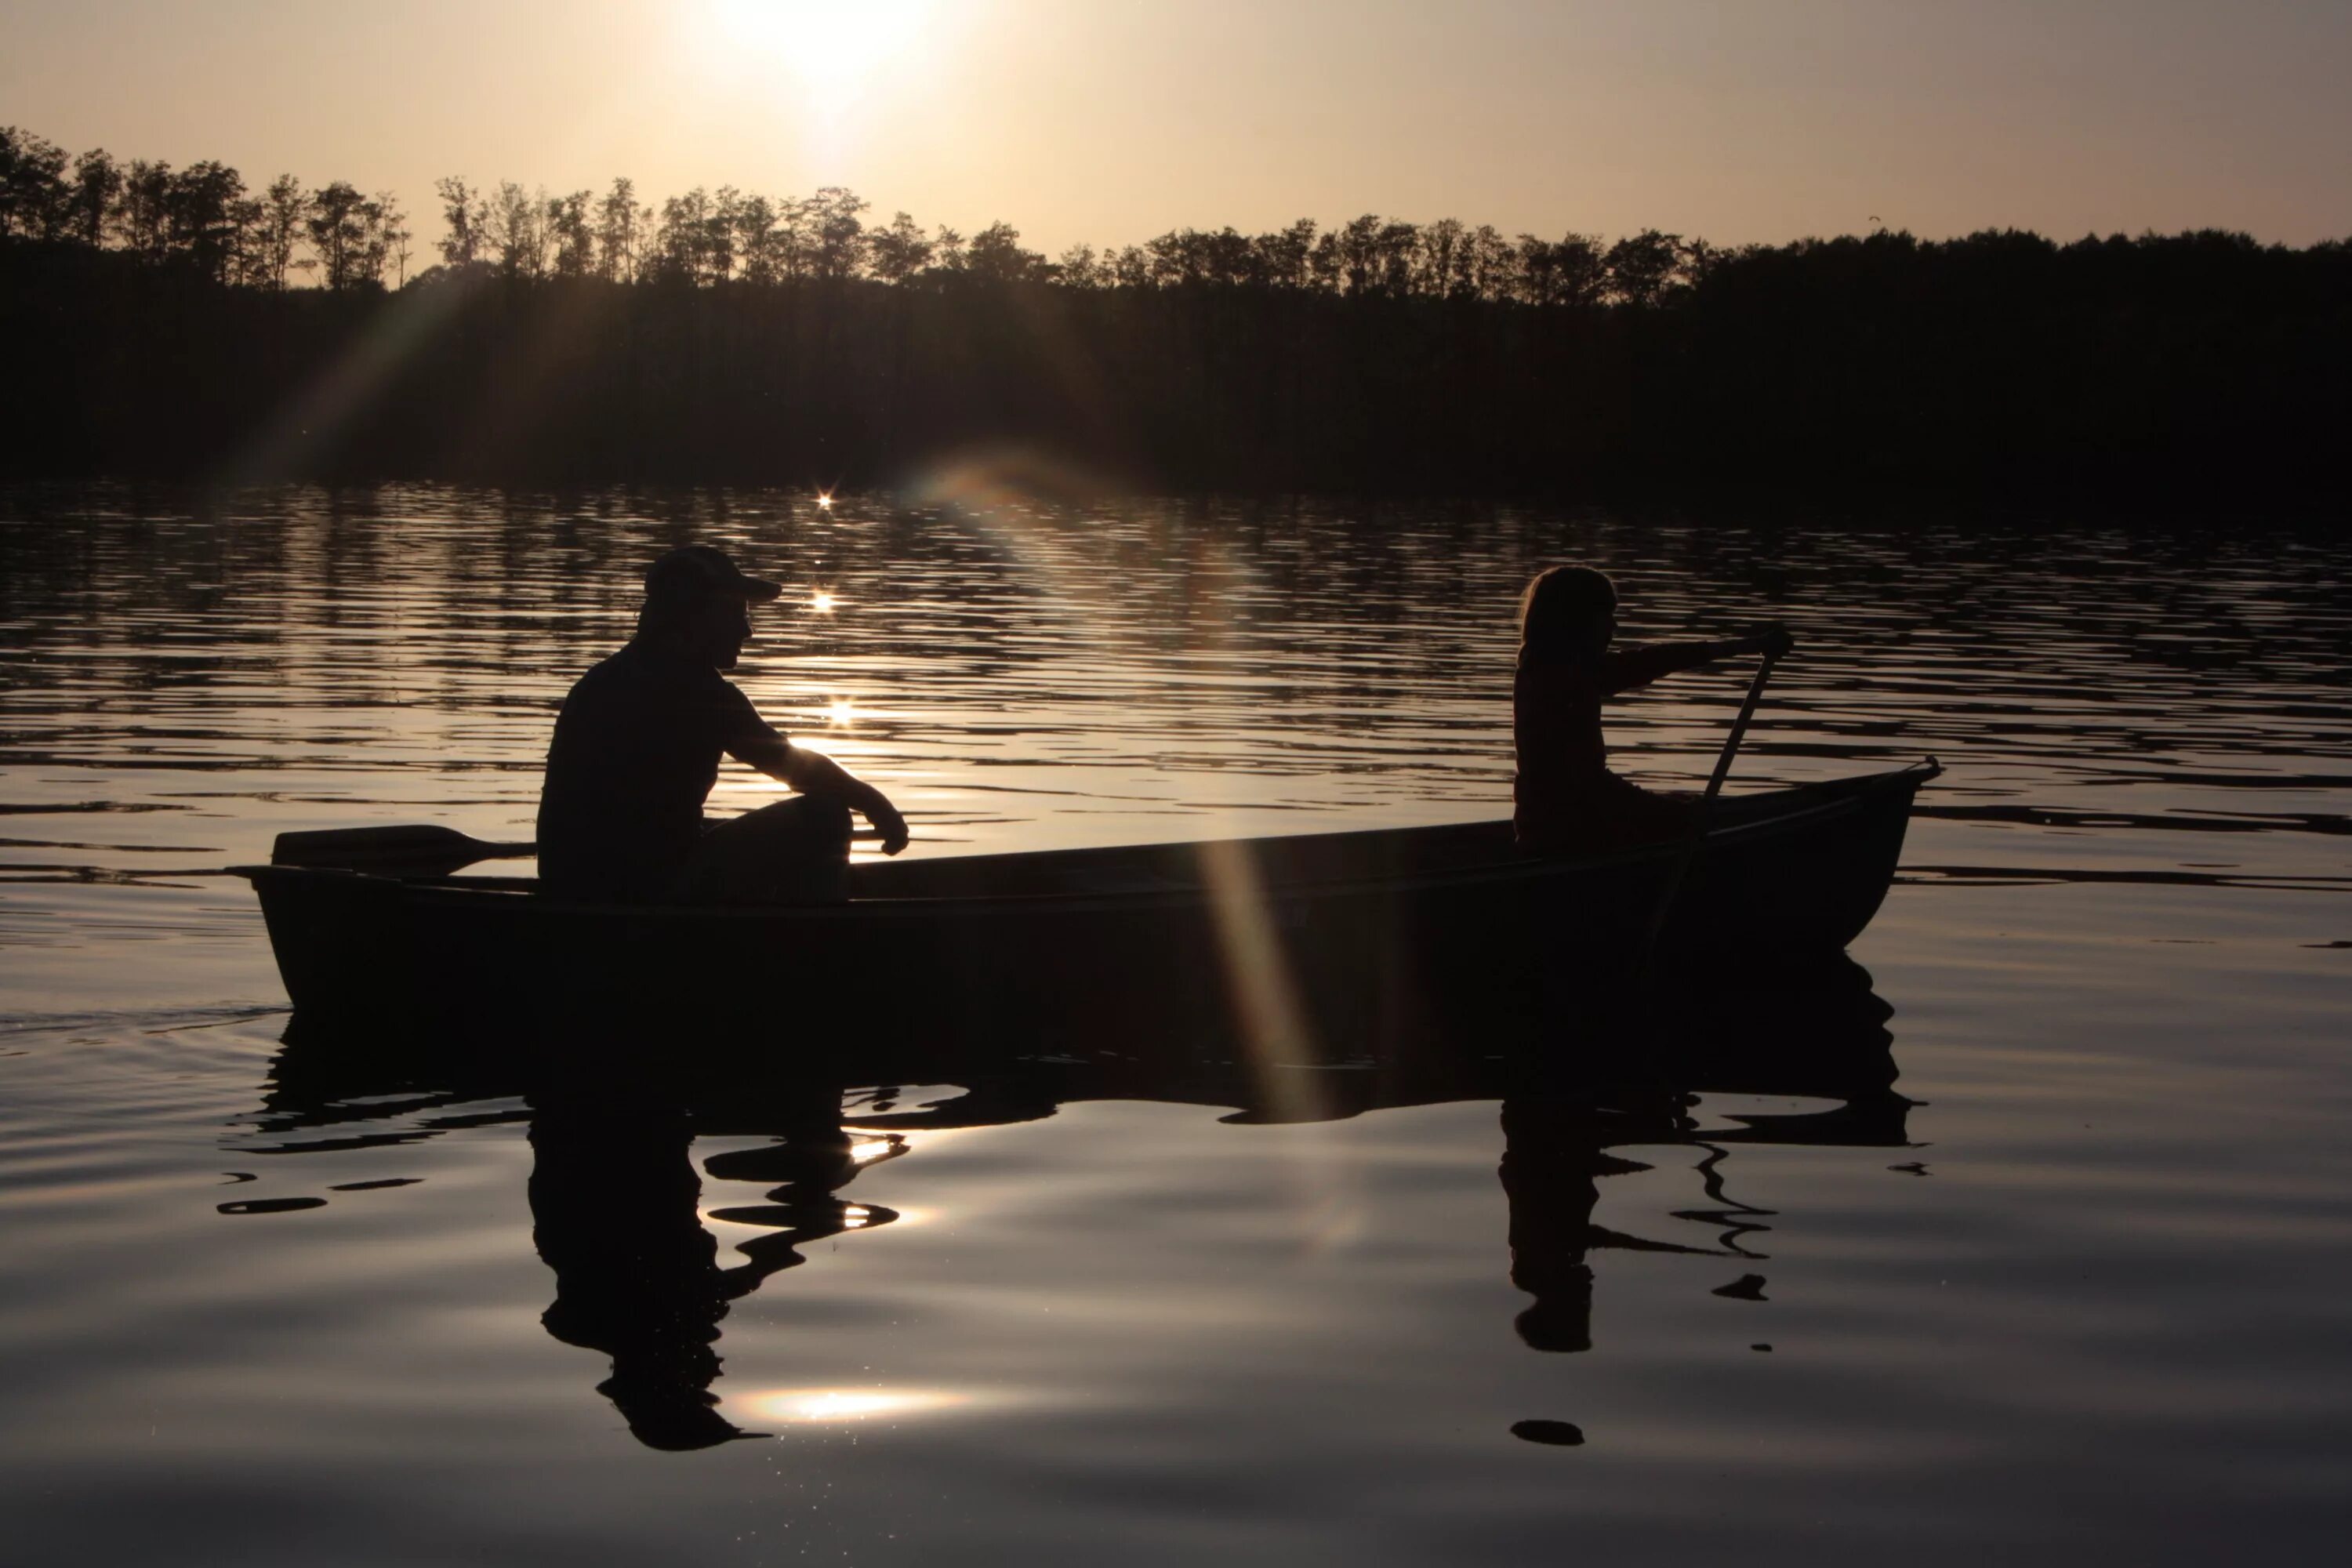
[(822, 602), (832, 46)]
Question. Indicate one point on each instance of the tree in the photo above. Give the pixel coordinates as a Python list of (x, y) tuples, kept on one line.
[(946, 250), (838, 233), (248, 265), (1439, 264), (517, 230), (32, 184), (340, 227), (1358, 255), (1174, 258), (1582, 268), (1324, 265), (96, 187), (756, 235), (1396, 246), (279, 228), (1570, 271), (716, 243), (1284, 257), (467, 215), (620, 222), (201, 216), (142, 214), (696, 241), (1080, 268), (1643, 266), (996, 256), (574, 236), (388, 238), (1489, 264), (1130, 268), (896, 251)]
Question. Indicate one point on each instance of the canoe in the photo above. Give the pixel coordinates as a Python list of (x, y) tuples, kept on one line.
[(1300, 941)]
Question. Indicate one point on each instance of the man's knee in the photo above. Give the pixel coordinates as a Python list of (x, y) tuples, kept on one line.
[(802, 823), (827, 821)]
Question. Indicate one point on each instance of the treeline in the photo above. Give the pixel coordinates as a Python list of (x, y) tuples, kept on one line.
[(203, 220), (723, 336)]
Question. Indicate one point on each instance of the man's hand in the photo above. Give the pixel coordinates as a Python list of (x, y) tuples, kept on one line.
[(885, 818), (1772, 641), (813, 774)]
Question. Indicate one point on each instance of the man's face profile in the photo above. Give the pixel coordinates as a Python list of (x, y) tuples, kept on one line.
[(718, 628)]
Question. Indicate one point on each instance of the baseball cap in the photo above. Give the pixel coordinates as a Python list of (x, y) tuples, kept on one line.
[(696, 571)]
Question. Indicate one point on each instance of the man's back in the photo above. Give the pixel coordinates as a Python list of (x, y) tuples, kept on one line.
[(636, 749)]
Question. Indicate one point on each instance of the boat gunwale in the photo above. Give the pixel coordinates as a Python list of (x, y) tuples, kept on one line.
[(423, 896)]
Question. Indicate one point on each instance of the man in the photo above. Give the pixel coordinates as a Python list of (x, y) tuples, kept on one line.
[(636, 749)]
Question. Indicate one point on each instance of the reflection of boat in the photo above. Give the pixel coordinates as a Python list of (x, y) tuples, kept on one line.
[(1354, 937), (618, 1205)]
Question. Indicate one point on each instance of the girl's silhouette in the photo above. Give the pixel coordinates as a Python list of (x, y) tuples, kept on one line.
[(1566, 799)]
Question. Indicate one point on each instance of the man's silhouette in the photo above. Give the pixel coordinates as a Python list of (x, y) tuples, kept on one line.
[(636, 749)]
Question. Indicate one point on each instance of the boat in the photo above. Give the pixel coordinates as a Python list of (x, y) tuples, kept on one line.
[(1304, 943)]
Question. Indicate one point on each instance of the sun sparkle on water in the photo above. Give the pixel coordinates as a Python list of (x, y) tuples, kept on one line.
[(845, 1404)]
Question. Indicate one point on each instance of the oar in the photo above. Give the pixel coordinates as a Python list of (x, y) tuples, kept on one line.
[(1697, 834), (406, 851)]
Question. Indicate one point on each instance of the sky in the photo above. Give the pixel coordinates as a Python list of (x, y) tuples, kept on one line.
[(1109, 122)]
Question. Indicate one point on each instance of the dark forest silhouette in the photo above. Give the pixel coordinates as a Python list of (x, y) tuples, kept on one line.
[(154, 327)]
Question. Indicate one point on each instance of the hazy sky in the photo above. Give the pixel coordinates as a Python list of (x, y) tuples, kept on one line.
[(1112, 120)]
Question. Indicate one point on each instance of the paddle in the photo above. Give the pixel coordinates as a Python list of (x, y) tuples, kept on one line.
[(409, 852), (404, 851), (1698, 819)]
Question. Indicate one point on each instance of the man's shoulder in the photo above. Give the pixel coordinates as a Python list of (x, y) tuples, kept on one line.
[(634, 666), (617, 668), (636, 685)]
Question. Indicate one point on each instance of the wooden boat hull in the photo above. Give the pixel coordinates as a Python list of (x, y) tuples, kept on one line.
[(1307, 944)]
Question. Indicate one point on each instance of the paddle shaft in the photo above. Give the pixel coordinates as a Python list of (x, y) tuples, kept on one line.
[(1697, 834)]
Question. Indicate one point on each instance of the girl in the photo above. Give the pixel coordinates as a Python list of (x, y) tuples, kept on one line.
[(1566, 798)]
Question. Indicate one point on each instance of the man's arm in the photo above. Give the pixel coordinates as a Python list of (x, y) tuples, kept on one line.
[(820, 776)]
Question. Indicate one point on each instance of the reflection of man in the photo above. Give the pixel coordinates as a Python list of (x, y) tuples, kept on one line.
[(636, 749), (613, 1196), (615, 1213)]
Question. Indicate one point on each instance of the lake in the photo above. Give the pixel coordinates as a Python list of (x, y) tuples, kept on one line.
[(2043, 1252)]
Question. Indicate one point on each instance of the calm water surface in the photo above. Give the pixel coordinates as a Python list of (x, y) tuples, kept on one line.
[(2076, 1281)]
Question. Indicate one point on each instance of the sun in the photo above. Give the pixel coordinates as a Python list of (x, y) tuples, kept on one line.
[(833, 47)]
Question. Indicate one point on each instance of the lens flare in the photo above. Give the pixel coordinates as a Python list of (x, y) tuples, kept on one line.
[(1273, 1023)]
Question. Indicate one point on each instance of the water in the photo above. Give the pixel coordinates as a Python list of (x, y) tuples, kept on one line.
[(2076, 1281)]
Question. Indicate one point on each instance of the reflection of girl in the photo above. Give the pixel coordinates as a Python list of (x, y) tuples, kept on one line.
[(1566, 797)]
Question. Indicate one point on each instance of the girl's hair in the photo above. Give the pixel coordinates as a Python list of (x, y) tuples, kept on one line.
[(1561, 607)]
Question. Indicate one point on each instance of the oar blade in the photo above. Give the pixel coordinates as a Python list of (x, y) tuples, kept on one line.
[(409, 851)]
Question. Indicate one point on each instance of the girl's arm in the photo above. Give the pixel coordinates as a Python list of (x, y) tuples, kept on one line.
[(1641, 665)]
